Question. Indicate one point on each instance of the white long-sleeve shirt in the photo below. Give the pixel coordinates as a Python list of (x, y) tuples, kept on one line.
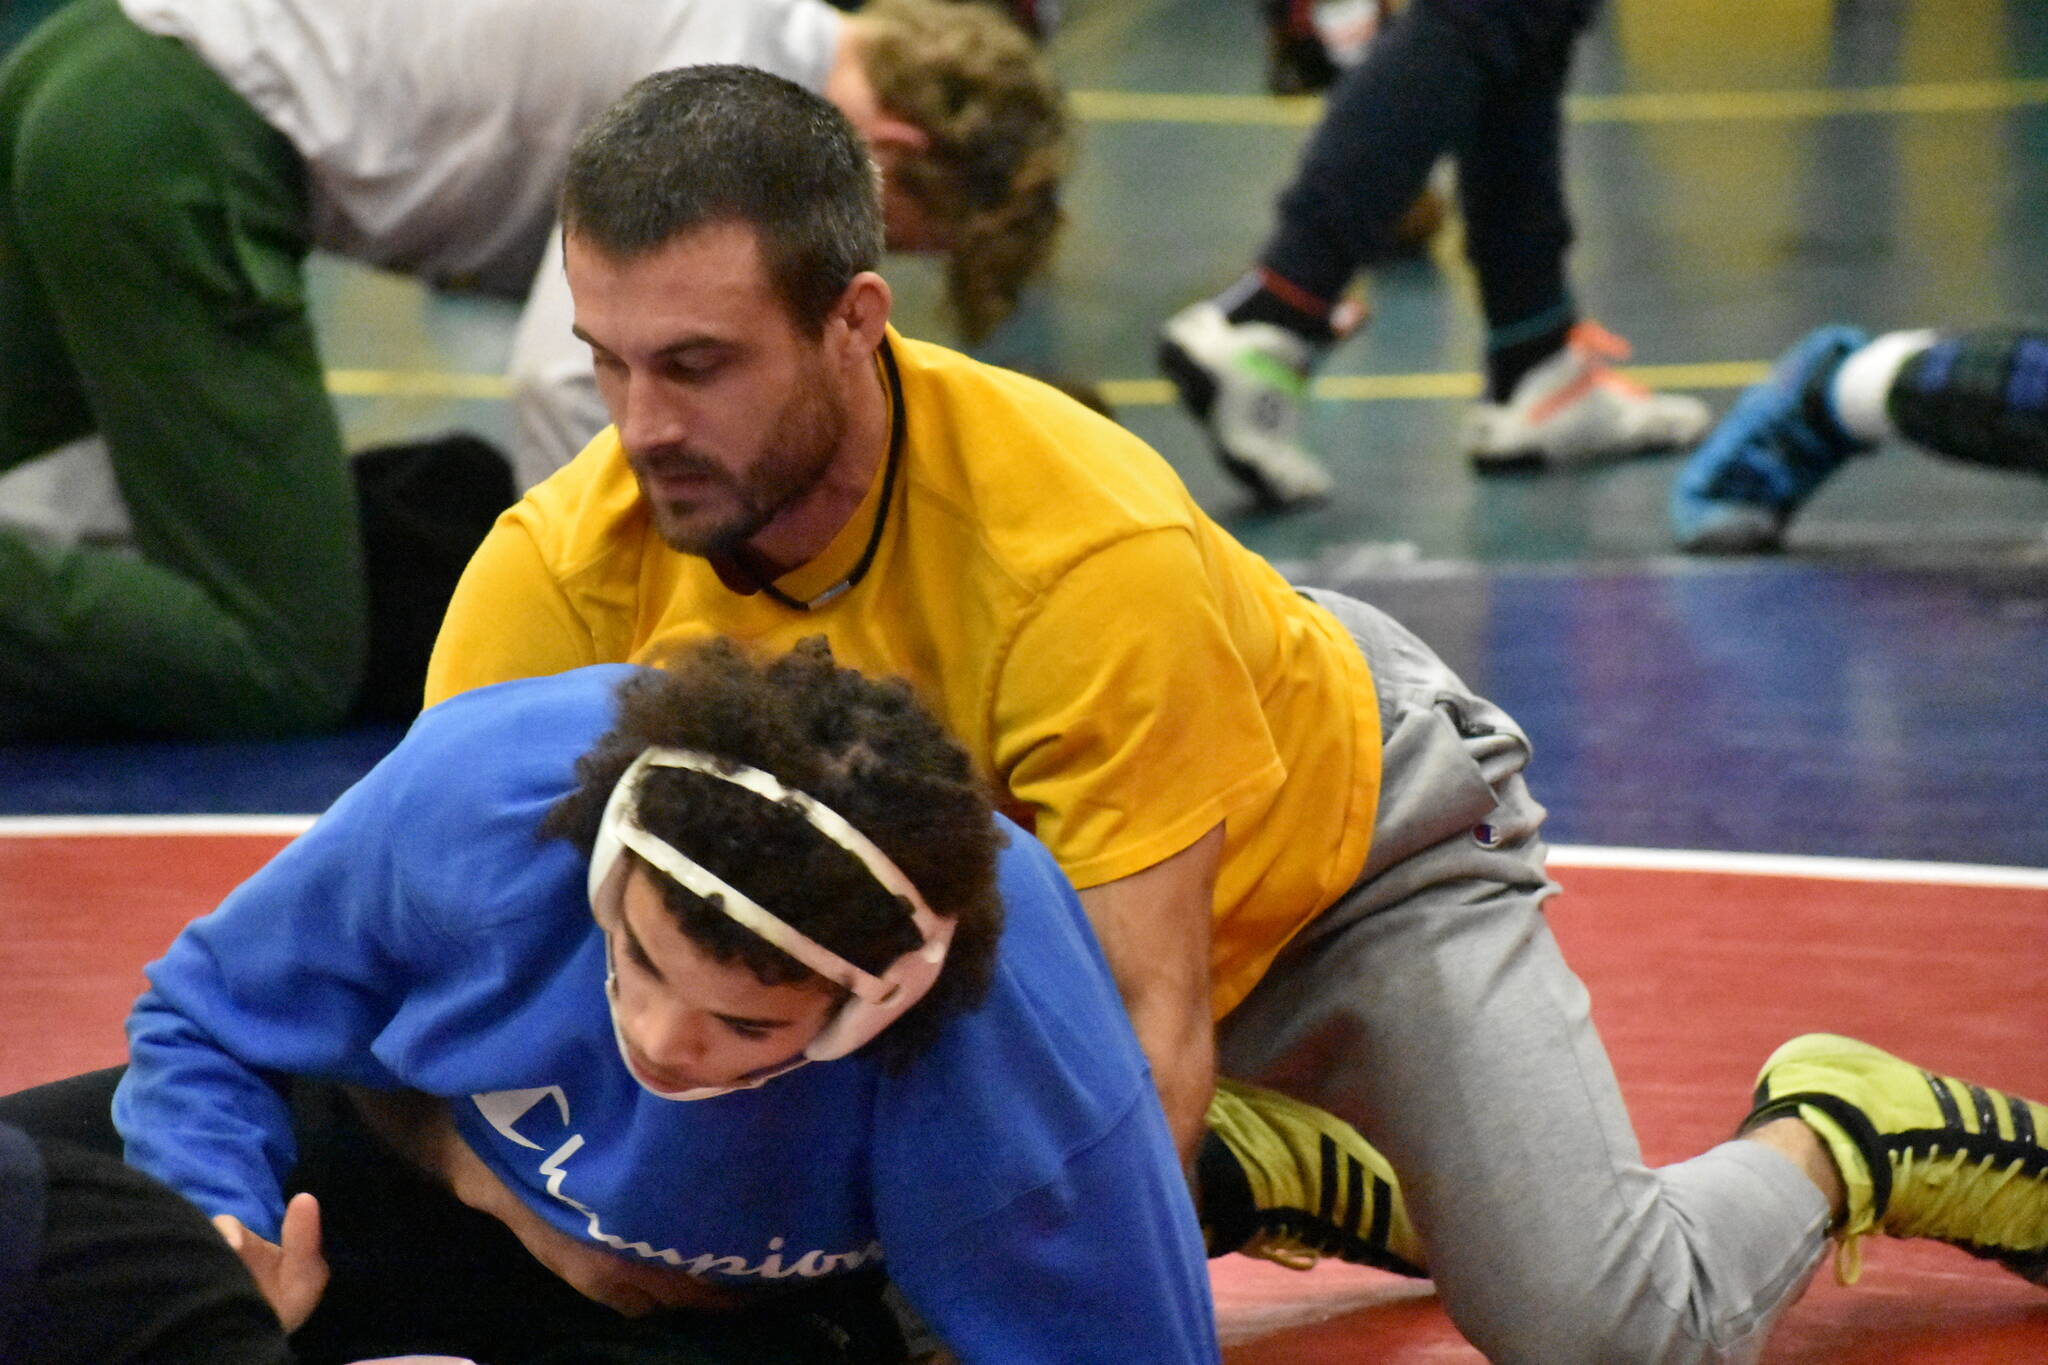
[(436, 131)]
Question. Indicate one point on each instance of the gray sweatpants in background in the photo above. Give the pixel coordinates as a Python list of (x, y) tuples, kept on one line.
[(1430, 1007)]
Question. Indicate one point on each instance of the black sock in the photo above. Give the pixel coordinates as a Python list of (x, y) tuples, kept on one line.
[(1263, 297), (1505, 365)]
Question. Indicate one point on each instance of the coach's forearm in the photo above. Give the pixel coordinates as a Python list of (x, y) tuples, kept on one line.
[(1181, 1046), (1154, 930)]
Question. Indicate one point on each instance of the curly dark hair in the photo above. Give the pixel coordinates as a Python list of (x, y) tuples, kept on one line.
[(862, 746)]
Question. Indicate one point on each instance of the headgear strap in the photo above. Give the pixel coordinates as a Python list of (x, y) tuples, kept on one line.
[(736, 904), (876, 1001)]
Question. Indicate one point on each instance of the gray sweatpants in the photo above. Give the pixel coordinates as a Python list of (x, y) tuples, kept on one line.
[(1431, 1008)]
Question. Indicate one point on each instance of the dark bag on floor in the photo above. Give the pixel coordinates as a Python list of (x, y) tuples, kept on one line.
[(425, 506)]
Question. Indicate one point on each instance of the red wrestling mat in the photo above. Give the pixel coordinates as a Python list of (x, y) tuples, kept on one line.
[(82, 915), (1696, 975)]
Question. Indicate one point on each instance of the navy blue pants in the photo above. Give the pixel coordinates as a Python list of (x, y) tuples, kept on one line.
[(100, 1265), (1478, 80)]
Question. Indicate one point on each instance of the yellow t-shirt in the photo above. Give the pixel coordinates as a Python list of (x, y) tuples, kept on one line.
[(1126, 672)]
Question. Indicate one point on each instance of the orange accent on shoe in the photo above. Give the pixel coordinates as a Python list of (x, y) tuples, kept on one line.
[(1599, 345), (1559, 399), (1596, 346), (1590, 337)]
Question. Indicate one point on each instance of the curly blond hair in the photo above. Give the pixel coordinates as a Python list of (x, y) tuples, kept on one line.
[(973, 81)]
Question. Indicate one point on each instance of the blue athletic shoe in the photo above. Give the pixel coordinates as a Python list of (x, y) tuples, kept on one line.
[(1778, 443)]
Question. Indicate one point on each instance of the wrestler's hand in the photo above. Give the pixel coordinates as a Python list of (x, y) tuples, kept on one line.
[(291, 1272)]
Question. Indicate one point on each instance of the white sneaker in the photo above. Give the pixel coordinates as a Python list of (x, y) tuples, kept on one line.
[(1574, 409), (1246, 383)]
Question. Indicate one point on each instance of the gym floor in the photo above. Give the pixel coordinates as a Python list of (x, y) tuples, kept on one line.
[(1740, 171)]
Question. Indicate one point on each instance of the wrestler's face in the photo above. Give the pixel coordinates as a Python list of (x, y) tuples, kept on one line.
[(729, 412), (688, 1021)]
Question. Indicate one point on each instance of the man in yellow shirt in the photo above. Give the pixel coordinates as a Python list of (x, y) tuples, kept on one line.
[(1306, 847)]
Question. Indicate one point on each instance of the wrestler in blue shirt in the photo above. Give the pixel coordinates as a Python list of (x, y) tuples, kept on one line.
[(1013, 1173)]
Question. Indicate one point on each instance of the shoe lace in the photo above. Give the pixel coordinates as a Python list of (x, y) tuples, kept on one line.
[(1601, 350), (1593, 339), (1956, 1199), (1282, 1248)]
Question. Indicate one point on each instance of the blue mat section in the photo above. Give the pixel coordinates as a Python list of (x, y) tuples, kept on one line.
[(1784, 707), (291, 777), (1795, 706)]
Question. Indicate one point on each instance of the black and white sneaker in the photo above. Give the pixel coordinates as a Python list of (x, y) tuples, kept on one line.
[(1246, 383)]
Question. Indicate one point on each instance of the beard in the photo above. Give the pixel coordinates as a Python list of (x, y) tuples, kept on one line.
[(788, 465)]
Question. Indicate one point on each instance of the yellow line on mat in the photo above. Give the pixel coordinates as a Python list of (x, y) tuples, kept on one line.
[(1933, 97), (1372, 388), (416, 384), (1136, 393), (1700, 106)]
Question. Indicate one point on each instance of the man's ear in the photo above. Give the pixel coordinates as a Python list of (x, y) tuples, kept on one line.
[(860, 317), (893, 137)]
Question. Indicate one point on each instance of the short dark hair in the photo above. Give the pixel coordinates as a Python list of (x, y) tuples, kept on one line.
[(698, 145), (862, 746)]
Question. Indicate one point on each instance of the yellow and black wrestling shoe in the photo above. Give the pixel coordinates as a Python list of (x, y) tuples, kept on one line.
[(1921, 1155), (1288, 1183)]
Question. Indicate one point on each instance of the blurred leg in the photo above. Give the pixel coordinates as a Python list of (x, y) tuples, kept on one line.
[(1511, 191), (178, 297), (1416, 95), (1979, 396), (129, 1273)]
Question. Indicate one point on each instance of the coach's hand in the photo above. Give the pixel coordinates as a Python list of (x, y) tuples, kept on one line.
[(291, 1272)]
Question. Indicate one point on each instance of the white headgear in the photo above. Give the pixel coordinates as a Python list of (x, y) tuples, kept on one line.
[(873, 1002)]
